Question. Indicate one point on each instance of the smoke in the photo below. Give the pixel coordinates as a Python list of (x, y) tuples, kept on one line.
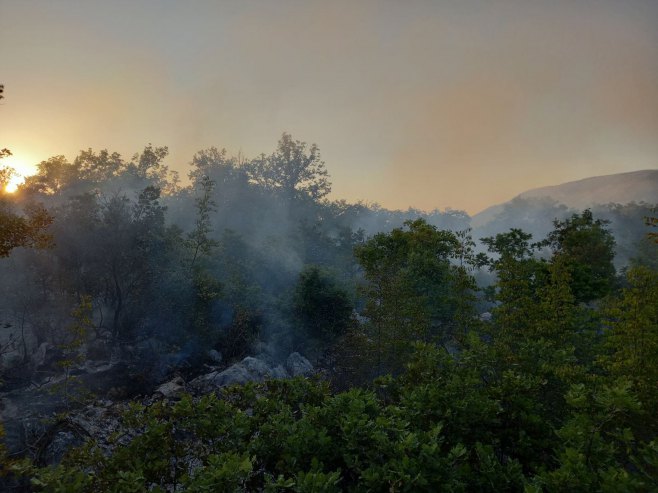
[(407, 100)]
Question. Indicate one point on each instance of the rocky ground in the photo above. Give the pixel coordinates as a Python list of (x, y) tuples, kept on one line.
[(38, 424)]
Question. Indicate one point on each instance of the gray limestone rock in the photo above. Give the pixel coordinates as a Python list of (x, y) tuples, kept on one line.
[(215, 356), (173, 388), (297, 365), (250, 369)]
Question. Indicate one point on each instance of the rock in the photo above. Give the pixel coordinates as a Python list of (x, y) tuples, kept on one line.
[(39, 356), (297, 365), (173, 388), (100, 421), (46, 357), (235, 375), (256, 367), (486, 317), (452, 347), (62, 441), (215, 356), (249, 369), (279, 372), (9, 362)]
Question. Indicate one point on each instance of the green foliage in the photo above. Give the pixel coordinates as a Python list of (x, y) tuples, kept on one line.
[(321, 310), (464, 288), (652, 222), (292, 170), (236, 338), (541, 344), (409, 294), (75, 336), (199, 241), (516, 291), (29, 230), (632, 335), (587, 247), (552, 394), (597, 444), (55, 175), (446, 423), (224, 472), (207, 291), (284, 435), (5, 463)]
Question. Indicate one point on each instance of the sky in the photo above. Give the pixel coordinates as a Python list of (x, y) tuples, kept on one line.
[(416, 103)]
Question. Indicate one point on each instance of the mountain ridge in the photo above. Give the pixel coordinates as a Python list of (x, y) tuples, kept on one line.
[(621, 188)]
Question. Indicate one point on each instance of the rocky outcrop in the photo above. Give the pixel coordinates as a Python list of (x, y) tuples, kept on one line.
[(297, 365), (250, 369), (171, 389), (22, 410)]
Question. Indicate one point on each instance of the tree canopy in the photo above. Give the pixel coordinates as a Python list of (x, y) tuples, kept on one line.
[(442, 363)]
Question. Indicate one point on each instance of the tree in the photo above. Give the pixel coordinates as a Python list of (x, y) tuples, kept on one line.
[(53, 176), (110, 247), (28, 230), (24, 231), (519, 276), (464, 284), (99, 167), (322, 311), (199, 241), (77, 334), (409, 289), (148, 167), (632, 338), (216, 164), (588, 249), (293, 170), (652, 222)]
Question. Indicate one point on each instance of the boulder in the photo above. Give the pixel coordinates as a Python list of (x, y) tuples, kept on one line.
[(46, 357), (279, 372), (249, 369), (172, 389), (215, 356), (61, 441), (297, 365), (256, 367), (234, 375)]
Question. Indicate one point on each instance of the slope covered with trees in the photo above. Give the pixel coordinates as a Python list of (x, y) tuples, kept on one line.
[(516, 363)]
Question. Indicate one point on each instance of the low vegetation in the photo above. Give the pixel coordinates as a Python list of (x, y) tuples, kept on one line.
[(444, 364)]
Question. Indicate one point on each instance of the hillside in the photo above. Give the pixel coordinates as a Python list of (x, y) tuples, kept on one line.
[(620, 188)]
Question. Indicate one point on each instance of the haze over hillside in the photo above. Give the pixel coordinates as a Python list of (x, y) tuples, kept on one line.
[(405, 99), (620, 188)]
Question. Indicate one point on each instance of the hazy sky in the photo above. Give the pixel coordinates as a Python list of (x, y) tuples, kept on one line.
[(413, 103)]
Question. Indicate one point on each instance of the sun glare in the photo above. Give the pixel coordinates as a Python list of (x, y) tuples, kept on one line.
[(14, 182), (21, 169)]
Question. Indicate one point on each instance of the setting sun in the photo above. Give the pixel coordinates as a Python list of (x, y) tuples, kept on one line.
[(14, 183), (21, 169)]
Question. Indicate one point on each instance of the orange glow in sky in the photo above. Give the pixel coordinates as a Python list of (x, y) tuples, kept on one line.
[(14, 182), (22, 167), (428, 104)]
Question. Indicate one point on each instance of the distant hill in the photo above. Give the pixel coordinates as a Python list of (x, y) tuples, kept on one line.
[(621, 188)]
